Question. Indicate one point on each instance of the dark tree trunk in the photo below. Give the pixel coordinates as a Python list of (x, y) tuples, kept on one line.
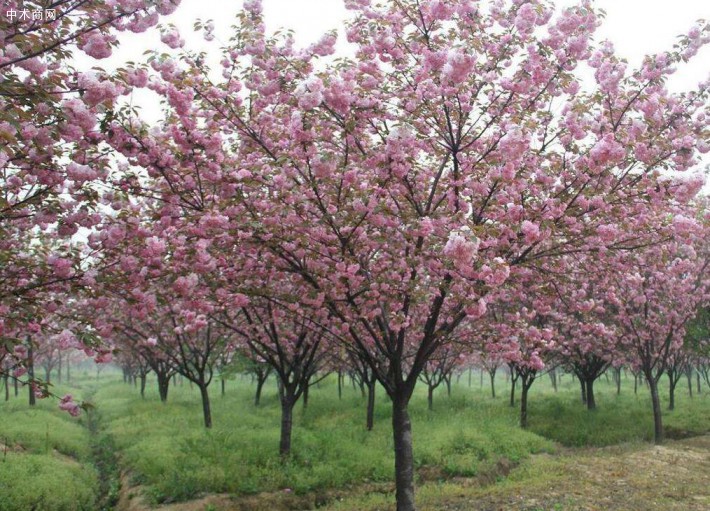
[(583, 387), (657, 418), (221, 382), (697, 378), (492, 374), (513, 381), (206, 410), (6, 379), (259, 387), (636, 384), (17, 391), (371, 404), (447, 381), (430, 396), (526, 381), (689, 376), (591, 402), (618, 382), (143, 378), (340, 385), (47, 374), (403, 454), (287, 403), (671, 390), (31, 372), (163, 386)]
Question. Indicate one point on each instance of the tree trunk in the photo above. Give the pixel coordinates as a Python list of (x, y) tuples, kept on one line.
[(16, 387), (636, 384), (513, 381), (206, 410), (305, 395), (447, 380), (371, 404), (689, 376), (31, 372), (340, 385), (493, 383), (6, 378), (430, 397), (59, 368), (671, 390), (524, 404), (553, 378), (221, 380), (403, 454), (163, 386), (143, 378), (591, 403), (259, 387), (657, 419), (48, 374), (583, 386), (287, 403), (697, 377), (618, 382)]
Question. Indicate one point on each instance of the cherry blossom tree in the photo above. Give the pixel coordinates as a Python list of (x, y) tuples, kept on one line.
[(403, 187)]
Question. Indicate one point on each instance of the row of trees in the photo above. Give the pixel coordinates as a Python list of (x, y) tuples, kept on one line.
[(453, 190)]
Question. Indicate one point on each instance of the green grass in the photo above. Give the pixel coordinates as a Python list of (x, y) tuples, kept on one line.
[(177, 458), (168, 451), (46, 462)]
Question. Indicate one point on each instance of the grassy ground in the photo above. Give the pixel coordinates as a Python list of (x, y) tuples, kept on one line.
[(467, 443), (45, 458)]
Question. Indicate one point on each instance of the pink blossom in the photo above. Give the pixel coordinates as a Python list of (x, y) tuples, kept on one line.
[(97, 46), (68, 404), (460, 249), (531, 231), (458, 66), (172, 38)]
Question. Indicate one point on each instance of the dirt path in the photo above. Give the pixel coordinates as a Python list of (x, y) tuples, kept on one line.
[(675, 476), (637, 477)]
